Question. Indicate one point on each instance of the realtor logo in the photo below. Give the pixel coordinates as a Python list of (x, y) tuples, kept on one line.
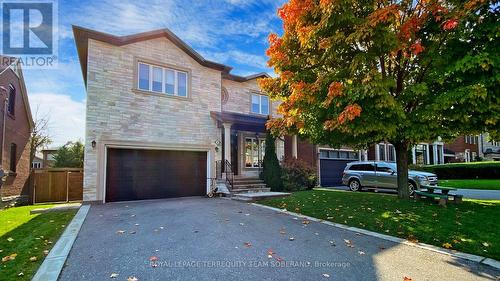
[(29, 32)]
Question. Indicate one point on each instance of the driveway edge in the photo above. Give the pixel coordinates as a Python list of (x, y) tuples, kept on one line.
[(54, 262), (479, 259)]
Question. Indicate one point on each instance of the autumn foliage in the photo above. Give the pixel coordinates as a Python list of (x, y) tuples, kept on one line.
[(355, 72)]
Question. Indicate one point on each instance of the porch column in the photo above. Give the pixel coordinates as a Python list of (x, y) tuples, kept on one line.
[(227, 141), (435, 159), (294, 146)]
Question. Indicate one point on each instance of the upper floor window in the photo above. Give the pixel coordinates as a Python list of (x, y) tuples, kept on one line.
[(11, 107), (162, 80), (260, 104)]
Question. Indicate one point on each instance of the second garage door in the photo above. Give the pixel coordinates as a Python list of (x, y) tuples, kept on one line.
[(332, 164), (135, 174)]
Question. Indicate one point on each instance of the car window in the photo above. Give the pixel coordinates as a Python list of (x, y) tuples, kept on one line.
[(362, 167), (383, 168)]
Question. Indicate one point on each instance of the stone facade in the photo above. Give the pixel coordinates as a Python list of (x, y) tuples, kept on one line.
[(118, 113), (121, 115), (240, 96)]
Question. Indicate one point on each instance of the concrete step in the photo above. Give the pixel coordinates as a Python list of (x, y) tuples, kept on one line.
[(250, 190), (259, 185), (248, 181), (250, 197)]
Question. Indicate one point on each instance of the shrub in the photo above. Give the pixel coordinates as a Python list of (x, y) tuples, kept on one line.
[(298, 175), (271, 172), (474, 170)]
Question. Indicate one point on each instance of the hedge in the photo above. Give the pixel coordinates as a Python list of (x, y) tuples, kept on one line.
[(474, 170)]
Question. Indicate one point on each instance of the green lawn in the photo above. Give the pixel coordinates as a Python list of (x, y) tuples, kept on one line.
[(25, 236), (471, 227), (493, 184)]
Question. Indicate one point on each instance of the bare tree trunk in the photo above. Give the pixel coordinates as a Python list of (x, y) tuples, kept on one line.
[(402, 166)]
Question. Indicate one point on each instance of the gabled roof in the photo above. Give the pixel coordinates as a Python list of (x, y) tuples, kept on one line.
[(24, 92), (82, 36), (245, 78)]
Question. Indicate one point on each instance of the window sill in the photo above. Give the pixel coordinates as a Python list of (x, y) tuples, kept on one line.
[(163, 95)]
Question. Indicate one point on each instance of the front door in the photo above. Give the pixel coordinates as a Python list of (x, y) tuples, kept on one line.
[(254, 152)]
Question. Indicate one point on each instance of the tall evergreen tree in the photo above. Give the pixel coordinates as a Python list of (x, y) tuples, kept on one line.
[(271, 167)]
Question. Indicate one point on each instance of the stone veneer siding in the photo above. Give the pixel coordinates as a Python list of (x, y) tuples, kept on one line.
[(117, 113), (240, 96)]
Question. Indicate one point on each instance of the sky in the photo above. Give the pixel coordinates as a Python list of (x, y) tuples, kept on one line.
[(232, 32)]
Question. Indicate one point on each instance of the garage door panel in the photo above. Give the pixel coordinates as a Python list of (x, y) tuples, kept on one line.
[(331, 171), (153, 174)]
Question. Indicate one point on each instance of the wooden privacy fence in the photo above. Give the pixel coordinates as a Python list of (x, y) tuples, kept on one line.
[(57, 185)]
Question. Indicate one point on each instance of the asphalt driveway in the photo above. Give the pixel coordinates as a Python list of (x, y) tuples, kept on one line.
[(219, 239)]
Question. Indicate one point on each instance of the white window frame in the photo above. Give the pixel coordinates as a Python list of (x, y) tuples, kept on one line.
[(260, 104), (163, 79)]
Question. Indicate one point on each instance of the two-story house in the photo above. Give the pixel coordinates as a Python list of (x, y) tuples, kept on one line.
[(16, 122), (161, 118)]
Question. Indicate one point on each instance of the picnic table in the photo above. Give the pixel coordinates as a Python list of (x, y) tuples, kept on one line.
[(439, 192)]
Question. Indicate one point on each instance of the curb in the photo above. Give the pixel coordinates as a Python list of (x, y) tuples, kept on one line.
[(55, 260), (479, 259)]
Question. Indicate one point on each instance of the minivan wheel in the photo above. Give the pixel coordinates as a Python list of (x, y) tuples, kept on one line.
[(354, 185), (411, 188)]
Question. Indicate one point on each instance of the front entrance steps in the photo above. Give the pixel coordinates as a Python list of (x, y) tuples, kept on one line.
[(248, 185), (247, 189)]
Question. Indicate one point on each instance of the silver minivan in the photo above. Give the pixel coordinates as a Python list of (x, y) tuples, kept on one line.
[(377, 174)]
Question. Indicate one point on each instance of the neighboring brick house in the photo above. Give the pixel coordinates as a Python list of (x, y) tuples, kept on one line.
[(18, 122), (462, 149)]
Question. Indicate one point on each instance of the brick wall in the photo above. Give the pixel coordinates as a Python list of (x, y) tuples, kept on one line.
[(17, 130), (305, 151)]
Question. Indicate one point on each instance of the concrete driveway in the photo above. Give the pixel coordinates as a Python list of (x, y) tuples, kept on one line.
[(219, 239)]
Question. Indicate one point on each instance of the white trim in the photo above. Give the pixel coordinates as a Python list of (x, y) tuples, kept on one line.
[(260, 96), (164, 70)]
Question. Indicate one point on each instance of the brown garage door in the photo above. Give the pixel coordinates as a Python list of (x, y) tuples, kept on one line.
[(134, 174)]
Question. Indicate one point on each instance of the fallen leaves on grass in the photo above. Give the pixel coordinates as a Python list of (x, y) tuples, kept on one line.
[(46, 252), (9, 257), (10, 239), (486, 244), (447, 246), (33, 258)]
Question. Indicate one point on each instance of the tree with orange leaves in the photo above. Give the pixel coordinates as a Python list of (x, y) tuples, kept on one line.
[(357, 72)]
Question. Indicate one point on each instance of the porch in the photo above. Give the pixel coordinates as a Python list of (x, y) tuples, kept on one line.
[(243, 149)]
